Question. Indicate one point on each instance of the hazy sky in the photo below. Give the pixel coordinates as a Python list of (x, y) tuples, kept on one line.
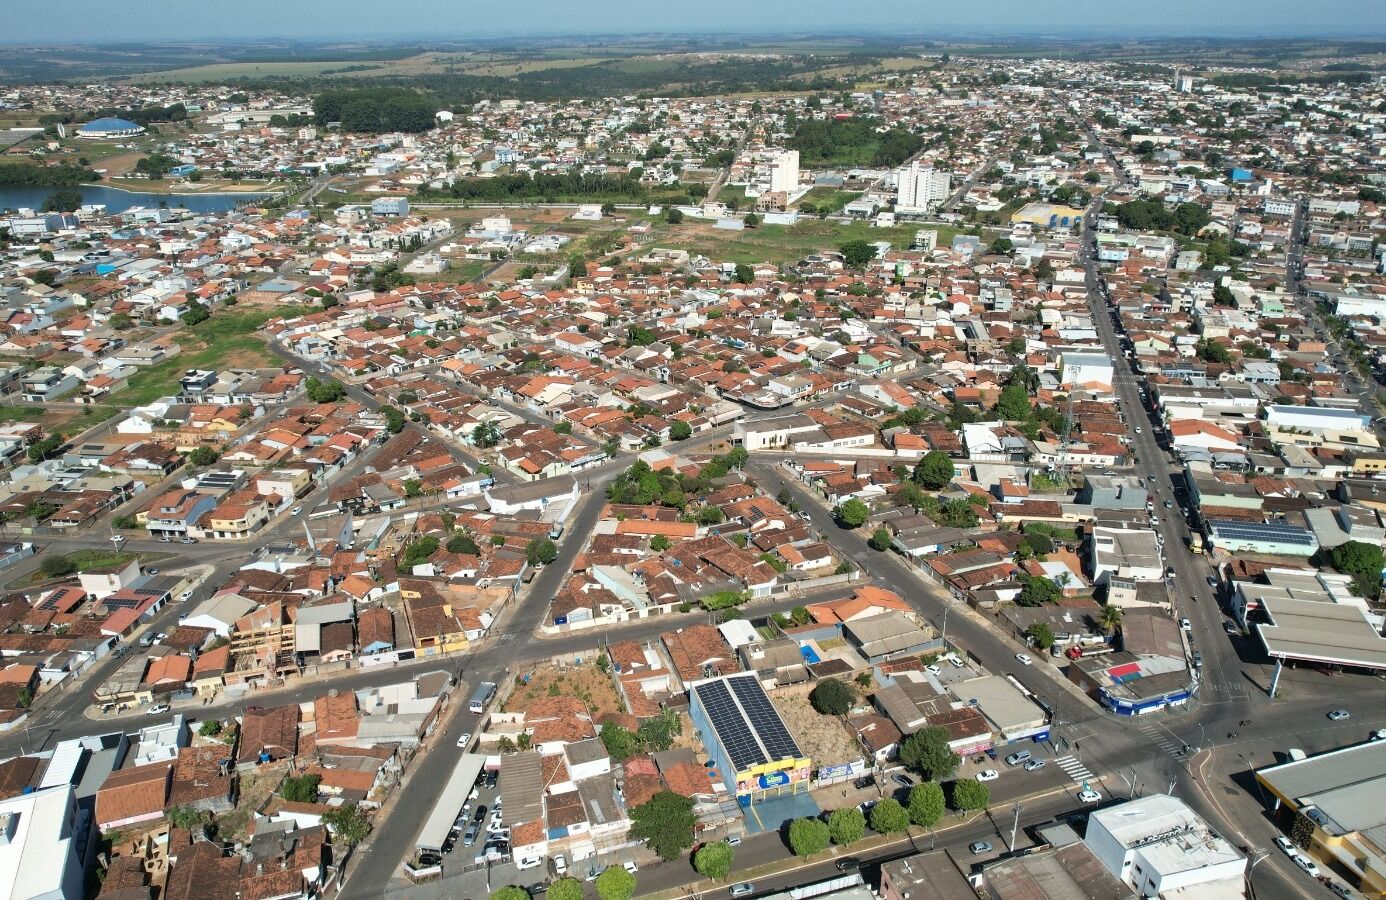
[(56, 21)]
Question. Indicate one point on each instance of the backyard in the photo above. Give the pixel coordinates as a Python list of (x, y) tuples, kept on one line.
[(823, 739)]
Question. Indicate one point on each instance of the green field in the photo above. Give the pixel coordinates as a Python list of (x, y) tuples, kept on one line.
[(780, 244), (227, 340)]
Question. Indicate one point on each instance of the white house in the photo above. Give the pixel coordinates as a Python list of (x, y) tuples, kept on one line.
[(1159, 846)]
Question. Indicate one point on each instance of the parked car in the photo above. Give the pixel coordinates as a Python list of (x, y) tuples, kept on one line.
[(151, 571), (296, 510), (988, 775), (159, 709), (734, 841), (1024, 658), (470, 837), (932, 669), (979, 847), (1018, 757), (848, 864), (1089, 796), (1339, 715), (1034, 765), (1286, 845), (560, 864), (1307, 865), (464, 738), (902, 779), (742, 889), (532, 862), (1186, 624), (630, 866)]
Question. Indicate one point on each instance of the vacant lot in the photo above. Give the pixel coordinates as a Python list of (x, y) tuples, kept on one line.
[(588, 683), (225, 341), (824, 739), (780, 244)]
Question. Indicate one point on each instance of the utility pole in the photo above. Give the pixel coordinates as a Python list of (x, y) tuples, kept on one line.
[(1015, 825)]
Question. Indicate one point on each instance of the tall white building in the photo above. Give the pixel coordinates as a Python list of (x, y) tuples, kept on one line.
[(921, 188), (784, 172)]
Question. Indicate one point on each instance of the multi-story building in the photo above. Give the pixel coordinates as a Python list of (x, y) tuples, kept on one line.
[(921, 188)]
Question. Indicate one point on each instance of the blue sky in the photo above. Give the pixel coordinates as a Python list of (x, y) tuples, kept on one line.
[(58, 21)]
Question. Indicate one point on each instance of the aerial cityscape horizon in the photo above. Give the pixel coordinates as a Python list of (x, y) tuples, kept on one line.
[(743, 452)]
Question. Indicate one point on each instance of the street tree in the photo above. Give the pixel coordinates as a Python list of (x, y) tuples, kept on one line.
[(889, 817), (664, 823), (846, 826), (808, 836), (927, 751), (853, 513), (713, 860), (615, 883), (926, 803)]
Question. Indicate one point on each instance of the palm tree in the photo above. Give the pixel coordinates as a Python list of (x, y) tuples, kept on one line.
[(1110, 619)]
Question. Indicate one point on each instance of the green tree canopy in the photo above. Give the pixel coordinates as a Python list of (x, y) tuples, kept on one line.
[(202, 456), (968, 793), (1014, 403), (300, 789), (926, 803), (510, 892), (620, 742), (889, 817), (1036, 590), (853, 513), (541, 551), (927, 751), (833, 697), (461, 543), (347, 823), (808, 836), (1363, 562), (615, 883), (881, 539), (680, 431), (857, 253), (1041, 634), (664, 823), (565, 889), (846, 826), (934, 471), (713, 860)]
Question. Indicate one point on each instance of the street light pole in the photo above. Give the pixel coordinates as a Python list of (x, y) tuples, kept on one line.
[(1015, 825)]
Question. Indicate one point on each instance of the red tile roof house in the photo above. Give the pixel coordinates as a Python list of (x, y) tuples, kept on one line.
[(131, 796)]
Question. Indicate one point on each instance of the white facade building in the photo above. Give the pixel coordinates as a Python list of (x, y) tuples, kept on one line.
[(784, 172), (1085, 370), (921, 188), (1159, 846)]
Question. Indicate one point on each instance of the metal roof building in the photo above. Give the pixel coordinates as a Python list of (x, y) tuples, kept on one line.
[(450, 801)]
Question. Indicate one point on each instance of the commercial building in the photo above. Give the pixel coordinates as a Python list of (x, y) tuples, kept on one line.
[(1085, 370), (45, 844), (1010, 709), (920, 189), (1268, 539), (752, 749), (1159, 846), (1063, 868), (1334, 805)]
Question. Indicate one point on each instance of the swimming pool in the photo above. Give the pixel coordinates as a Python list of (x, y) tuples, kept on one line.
[(809, 654)]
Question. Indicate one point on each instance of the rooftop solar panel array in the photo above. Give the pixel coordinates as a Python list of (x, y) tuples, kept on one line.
[(1284, 534), (746, 723)]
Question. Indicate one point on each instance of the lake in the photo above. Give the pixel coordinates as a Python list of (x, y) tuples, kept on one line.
[(118, 201)]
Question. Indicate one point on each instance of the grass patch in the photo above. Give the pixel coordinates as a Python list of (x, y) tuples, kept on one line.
[(21, 413), (469, 270), (227, 340), (780, 244), (87, 560), (831, 198)]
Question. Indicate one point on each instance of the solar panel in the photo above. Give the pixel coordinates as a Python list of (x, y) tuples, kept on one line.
[(742, 749), (1285, 534), (765, 720)]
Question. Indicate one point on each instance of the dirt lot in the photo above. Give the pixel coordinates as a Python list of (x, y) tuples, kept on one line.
[(255, 789), (587, 682), (824, 739)]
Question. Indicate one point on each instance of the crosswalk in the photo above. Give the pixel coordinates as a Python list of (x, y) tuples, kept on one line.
[(1073, 767), (1162, 739)]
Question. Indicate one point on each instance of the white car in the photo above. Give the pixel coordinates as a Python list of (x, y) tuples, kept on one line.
[(1089, 796), (987, 775), (630, 866), (1286, 845), (1024, 658), (159, 709), (1186, 624), (1307, 865), (932, 669), (464, 738), (532, 863), (560, 865), (296, 510)]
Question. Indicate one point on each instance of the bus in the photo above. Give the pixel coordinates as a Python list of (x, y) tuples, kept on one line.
[(482, 696)]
